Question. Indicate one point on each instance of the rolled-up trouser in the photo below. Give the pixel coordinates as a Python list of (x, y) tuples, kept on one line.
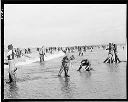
[(12, 69)]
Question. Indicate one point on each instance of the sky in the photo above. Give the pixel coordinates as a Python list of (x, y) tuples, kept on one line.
[(32, 25)]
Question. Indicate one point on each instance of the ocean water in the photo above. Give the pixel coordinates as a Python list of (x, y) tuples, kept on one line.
[(40, 81), (34, 57)]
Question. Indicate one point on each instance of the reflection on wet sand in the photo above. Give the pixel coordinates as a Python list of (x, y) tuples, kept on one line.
[(66, 87), (113, 67), (13, 90), (85, 74)]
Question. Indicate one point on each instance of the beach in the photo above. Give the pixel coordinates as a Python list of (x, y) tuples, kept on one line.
[(40, 81), (42, 40)]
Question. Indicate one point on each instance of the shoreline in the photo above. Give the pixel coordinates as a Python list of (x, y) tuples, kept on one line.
[(23, 61)]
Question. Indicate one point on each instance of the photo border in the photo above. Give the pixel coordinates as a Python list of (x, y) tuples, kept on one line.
[(53, 2)]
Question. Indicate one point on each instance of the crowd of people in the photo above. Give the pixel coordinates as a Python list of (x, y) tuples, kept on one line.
[(16, 52)]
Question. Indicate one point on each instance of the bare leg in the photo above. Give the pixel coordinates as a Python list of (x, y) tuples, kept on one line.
[(61, 70), (106, 60), (12, 70), (12, 77), (79, 68), (66, 72), (118, 60), (43, 58), (87, 68), (40, 59)]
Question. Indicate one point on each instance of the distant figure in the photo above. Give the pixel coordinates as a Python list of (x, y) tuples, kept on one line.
[(12, 68), (29, 50), (18, 53), (26, 51), (86, 64), (84, 48), (38, 49), (80, 51), (46, 50), (41, 53)]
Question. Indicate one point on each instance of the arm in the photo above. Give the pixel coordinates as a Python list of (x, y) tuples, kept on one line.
[(87, 67)]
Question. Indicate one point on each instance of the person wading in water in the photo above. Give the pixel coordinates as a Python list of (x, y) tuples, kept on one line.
[(112, 55), (42, 53), (117, 60), (65, 64), (110, 58), (11, 63), (85, 63)]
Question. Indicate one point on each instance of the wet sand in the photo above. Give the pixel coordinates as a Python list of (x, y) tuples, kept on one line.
[(40, 81)]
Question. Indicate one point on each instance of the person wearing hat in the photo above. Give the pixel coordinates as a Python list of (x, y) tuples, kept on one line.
[(11, 63)]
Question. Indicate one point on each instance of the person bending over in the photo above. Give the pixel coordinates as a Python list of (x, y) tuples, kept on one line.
[(86, 64)]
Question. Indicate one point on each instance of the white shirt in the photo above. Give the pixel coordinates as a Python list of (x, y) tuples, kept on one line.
[(9, 53)]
